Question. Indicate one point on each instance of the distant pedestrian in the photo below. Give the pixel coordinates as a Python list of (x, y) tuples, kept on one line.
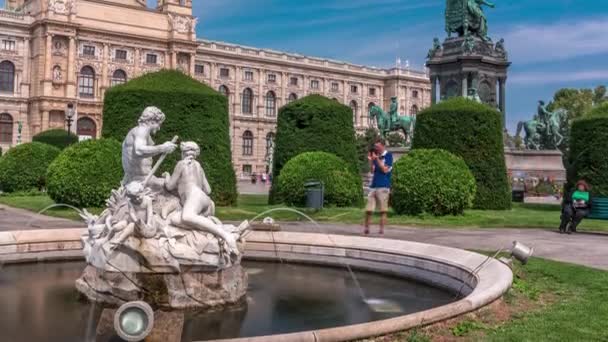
[(381, 165)]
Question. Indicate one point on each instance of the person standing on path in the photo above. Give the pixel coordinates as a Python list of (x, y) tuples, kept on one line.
[(381, 165)]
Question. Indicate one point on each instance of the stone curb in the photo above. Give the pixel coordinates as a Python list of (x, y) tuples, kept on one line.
[(441, 266)]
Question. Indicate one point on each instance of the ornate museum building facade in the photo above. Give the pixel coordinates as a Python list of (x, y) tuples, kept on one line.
[(59, 52)]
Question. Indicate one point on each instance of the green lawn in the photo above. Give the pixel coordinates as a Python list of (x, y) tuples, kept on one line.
[(549, 301), (521, 216)]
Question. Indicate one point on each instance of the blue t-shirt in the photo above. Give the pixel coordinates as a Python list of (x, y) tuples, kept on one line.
[(381, 179)]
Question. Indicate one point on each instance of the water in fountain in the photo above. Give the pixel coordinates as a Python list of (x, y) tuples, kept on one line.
[(376, 304)]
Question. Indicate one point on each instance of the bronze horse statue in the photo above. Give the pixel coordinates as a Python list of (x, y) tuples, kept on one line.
[(386, 124)]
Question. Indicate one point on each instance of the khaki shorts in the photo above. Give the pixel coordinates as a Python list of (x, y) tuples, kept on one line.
[(378, 199)]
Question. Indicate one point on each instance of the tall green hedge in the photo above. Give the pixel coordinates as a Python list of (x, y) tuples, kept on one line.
[(23, 167), (84, 174), (56, 137), (472, 131), (432, 181), (589, 150), (194, 112), (313, 123), (342, 186)]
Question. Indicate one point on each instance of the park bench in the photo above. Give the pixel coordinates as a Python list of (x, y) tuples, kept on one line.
[(599, 209)]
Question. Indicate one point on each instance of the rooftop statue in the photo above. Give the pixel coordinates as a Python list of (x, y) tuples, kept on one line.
[(436, 48), (466, 17), (161, 229), (392, 121)]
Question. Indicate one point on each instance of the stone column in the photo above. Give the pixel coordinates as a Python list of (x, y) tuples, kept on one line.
[(283, 95), (237, 91), (71, 83), (465, 85), (48, 57), (104, 71), (137, 62), (45, 120), (363, 112), (174, 59), (503, 97), (212, 76), (26, 68), (193, 64), (262, 96), (433, 90)]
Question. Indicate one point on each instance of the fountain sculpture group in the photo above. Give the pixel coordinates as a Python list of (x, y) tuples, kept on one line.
[(158, 239)]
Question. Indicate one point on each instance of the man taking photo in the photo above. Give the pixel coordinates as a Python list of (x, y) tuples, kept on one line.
[(381, 165)]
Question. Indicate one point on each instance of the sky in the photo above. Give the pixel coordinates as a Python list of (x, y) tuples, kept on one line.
[(552, 43)]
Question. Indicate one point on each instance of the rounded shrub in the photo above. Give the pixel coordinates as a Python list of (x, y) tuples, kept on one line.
[(23, 167), (588, 146), (56, 137), (313, 123), (342, 186), (194, 112), (84, 174), (472, 131), (432, 181)]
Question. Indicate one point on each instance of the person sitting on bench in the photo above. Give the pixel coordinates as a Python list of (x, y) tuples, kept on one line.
[(575, 207)]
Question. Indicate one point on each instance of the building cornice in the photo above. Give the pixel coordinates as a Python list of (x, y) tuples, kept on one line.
[(223, 49)]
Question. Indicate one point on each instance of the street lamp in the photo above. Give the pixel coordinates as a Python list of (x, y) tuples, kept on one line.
[(69, 115)]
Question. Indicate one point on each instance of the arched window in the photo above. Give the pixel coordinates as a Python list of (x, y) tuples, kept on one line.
[(414, 110), (353, 106), (292, 97), (247, 105), (119, 77), (247, 143), (370, 122), (86, 82), (224, 90), (6, 128), (269, 143), (271, 104), (7, 77), (86, 127)]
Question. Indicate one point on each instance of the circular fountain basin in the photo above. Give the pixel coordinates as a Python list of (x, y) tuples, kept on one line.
[(410, 284)]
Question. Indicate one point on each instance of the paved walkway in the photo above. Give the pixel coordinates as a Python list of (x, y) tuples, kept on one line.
[(584, 248)]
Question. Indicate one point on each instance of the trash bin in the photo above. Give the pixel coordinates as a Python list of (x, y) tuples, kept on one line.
[(314, 194), (518, 196)]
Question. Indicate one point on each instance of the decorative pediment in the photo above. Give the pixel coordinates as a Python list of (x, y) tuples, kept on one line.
[(182, 24), (62, 6)]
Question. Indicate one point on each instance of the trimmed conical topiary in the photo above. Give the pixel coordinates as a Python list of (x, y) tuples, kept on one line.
[(472, 131), (313, 123), (588, 147), (194, 112)]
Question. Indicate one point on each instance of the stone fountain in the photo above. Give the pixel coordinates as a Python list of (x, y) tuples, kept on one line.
[(158, 239)]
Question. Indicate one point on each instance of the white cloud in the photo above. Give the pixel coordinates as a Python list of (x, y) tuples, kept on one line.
[(558, 77), (557, 41)]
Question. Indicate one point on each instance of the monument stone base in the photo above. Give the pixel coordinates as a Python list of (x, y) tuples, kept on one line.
[(536, 163)]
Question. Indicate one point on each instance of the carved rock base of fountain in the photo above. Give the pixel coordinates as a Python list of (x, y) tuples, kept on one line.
[(190, 289)]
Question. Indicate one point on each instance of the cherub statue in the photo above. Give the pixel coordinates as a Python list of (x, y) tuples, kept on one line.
[(140, 217), (191, 183)]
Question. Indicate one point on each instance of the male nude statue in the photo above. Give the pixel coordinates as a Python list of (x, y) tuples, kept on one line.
[(138, 149), (189, 179)]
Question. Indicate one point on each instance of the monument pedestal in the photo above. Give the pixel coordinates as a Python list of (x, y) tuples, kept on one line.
[(398, 152), (536, 163)]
